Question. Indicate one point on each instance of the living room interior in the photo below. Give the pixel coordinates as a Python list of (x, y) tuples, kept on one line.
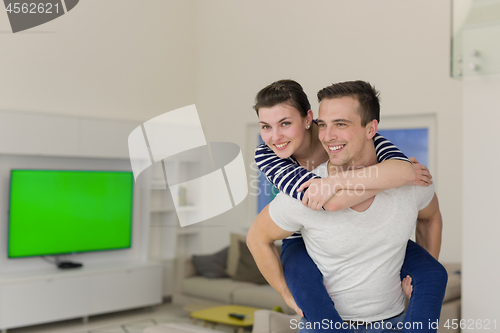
[(73, 89)]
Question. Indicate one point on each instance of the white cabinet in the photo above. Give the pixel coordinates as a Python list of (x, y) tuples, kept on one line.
[(1, 307), (44, 300), (124, 290), (31, 298), (104, 138), (38, 134), (24, 133)]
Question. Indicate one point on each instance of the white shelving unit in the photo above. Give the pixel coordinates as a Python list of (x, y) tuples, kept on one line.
[(31, 291), (168, 240), (169, 243)]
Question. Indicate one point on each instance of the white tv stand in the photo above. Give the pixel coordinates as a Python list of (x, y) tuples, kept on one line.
[(42, 296)]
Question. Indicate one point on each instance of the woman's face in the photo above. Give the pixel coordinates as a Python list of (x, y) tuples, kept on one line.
[(282, 128)]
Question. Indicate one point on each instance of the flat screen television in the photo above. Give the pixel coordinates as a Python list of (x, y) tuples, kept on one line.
[(55, 212)]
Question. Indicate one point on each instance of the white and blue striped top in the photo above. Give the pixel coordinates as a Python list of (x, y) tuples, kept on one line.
[(287, 175)]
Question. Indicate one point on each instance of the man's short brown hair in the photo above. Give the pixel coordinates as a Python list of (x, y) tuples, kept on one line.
[(363, 92)]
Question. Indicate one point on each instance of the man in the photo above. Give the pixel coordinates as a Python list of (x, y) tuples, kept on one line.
[(359, 250)]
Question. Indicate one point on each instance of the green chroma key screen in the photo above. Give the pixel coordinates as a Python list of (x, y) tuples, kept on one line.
[(56, 212)]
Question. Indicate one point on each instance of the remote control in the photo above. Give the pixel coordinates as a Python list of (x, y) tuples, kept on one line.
[(237, 316)]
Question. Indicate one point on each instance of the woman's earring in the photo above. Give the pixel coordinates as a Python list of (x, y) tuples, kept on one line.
[(308, 126)]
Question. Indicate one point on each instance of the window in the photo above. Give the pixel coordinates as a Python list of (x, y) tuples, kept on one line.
[(415, 136)]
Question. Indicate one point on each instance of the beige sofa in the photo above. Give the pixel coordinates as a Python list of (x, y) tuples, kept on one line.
[(192, 288)]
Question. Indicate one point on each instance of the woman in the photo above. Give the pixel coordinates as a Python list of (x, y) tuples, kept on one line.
[(291, 150)]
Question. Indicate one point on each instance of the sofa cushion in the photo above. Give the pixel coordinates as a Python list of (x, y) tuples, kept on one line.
[(247, 269), (454, 286), (233, 257), (259, 296), (219, 290), (212, 266)]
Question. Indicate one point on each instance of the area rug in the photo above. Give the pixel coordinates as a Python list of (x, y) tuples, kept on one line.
[(140, 325)]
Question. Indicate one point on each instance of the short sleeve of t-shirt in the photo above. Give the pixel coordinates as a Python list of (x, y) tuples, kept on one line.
[(423, 195), (284, 211)]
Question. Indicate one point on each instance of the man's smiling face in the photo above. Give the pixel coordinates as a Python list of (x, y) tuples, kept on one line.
[(340, 130)]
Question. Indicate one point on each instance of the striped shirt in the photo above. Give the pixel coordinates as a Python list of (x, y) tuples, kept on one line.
[(287, 175)]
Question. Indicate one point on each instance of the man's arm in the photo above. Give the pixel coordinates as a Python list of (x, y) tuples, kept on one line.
[(260, 242), (344, 199), (429, 228), (373, 179)]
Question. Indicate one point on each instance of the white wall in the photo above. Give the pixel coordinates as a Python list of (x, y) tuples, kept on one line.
[(481, 225), (113, 59), (403, 47)]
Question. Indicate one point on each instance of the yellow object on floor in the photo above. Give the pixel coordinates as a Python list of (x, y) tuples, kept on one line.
[(278, 308), (220, 315)]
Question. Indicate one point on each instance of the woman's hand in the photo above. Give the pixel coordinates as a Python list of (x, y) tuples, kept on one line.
[(319, 191), (422, 175)]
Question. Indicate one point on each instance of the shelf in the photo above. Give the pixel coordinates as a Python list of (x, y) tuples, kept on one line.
[(187, 208), (187, 231), (167, 238), (158, 184), (181, 209), (162, 209), (87, 270)]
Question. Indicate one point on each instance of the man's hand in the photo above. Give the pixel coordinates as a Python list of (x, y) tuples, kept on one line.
[(422, 175), (319, 191)]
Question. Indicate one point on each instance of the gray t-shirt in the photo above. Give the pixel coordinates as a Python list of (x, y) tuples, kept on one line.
[(360, 254)]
